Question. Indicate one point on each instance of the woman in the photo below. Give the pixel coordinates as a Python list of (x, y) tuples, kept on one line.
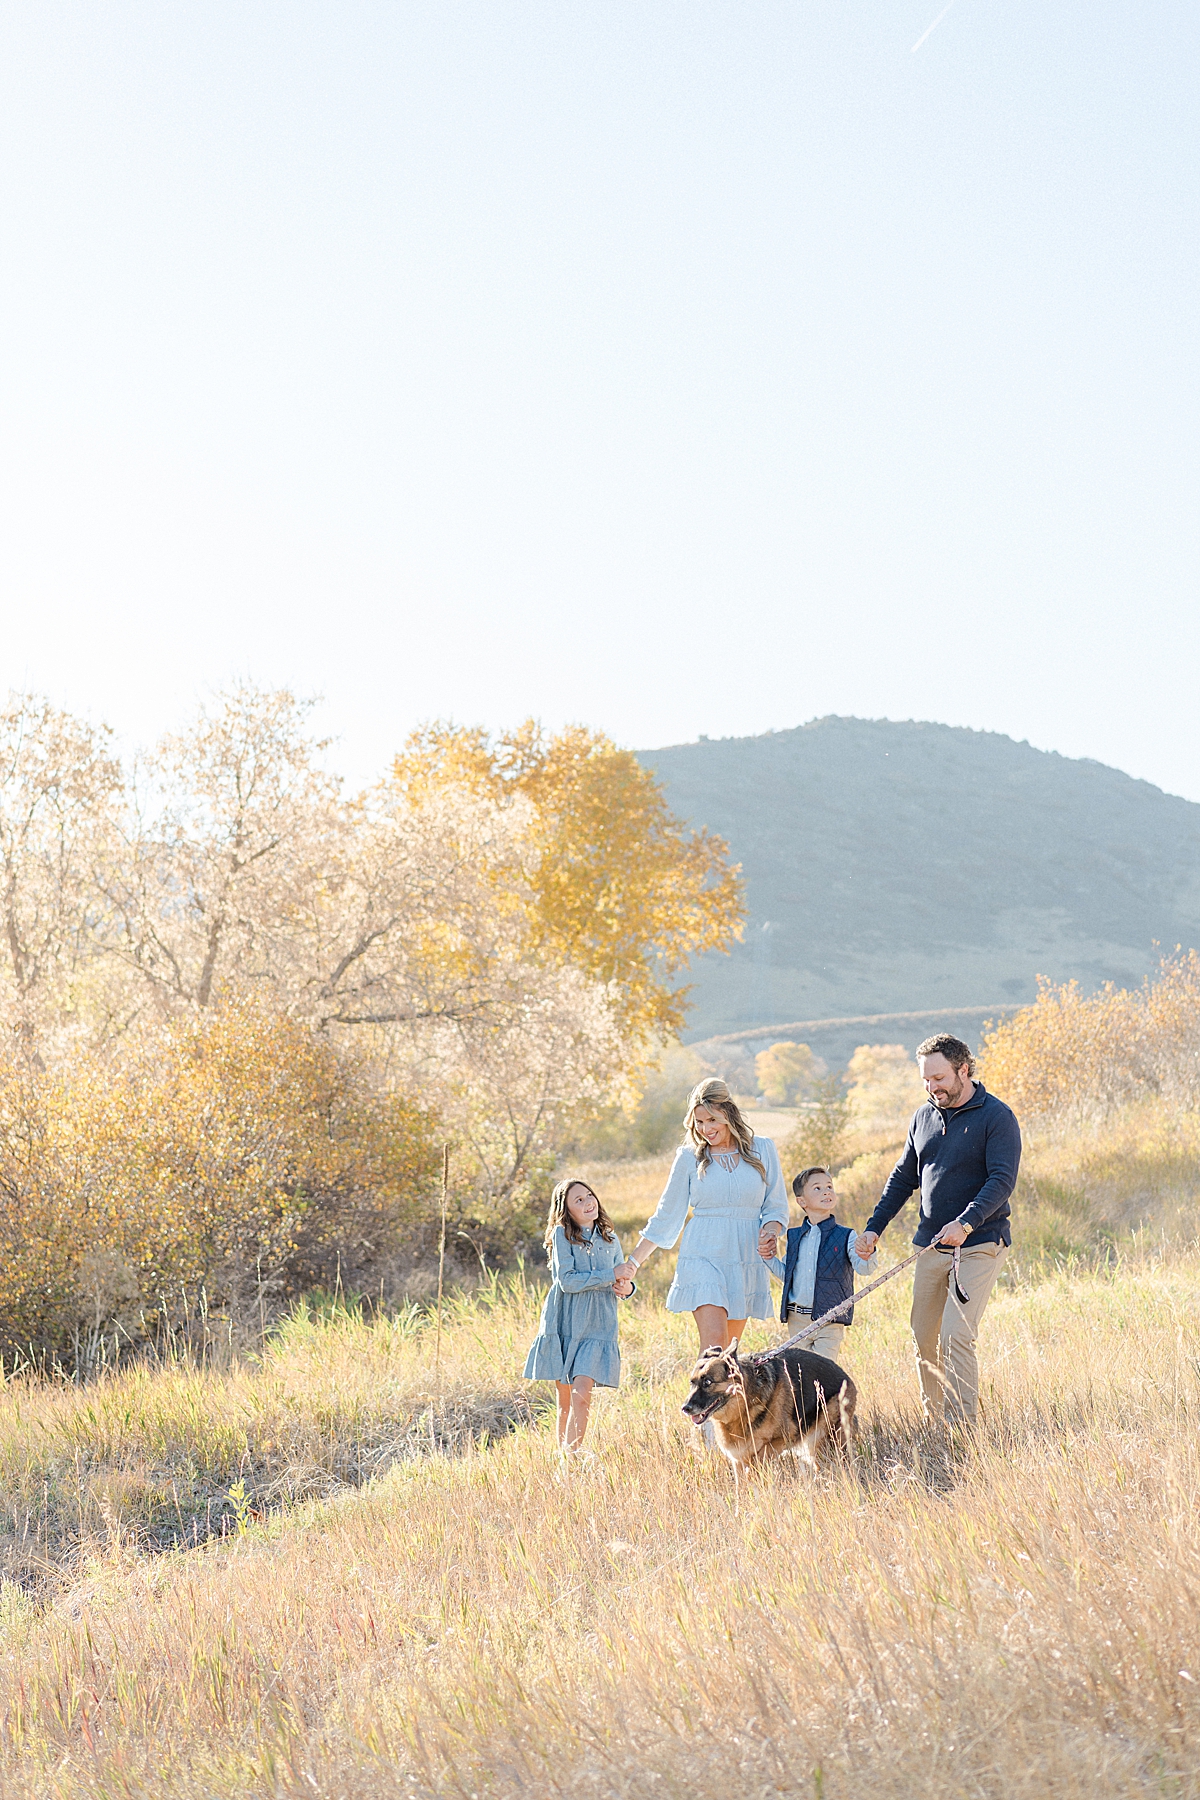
[(732, 1182)]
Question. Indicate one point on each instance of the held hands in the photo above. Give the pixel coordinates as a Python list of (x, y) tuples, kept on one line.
[(767, 1240), (622, 1289), (865, 1243), (625, 1271)]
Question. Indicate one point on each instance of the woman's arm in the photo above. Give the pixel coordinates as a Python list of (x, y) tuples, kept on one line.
[(664, 1228), (627, 1270), (774, 1209), (662, 1231)]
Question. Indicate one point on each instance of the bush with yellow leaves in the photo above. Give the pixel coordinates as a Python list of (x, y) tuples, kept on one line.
[(1072, 1057), (236, 1154)]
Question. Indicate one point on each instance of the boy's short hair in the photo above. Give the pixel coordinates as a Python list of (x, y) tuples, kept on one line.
[(805, 1176)]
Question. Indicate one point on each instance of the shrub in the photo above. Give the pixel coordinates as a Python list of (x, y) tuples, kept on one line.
[(1070, 1057), (235, 1154)]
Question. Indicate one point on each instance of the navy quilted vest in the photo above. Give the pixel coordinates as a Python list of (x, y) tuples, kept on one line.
[(835, 1277)]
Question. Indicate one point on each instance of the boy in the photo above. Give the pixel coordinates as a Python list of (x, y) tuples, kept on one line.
[(821, 1262)]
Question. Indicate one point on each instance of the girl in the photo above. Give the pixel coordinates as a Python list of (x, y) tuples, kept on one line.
[(732, 1183), (576, 1345)]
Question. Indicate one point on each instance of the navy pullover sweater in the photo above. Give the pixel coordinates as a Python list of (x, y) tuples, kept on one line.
[(965, 1163)]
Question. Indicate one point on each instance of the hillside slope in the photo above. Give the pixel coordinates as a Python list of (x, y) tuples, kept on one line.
[(893, 867)]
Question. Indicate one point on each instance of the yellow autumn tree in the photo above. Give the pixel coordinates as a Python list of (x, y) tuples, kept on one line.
[(787, 1072), (618, 887), (885, 1088)]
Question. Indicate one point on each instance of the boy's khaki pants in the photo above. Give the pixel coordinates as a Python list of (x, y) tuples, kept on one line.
[(827, 1342), (946, 1330)]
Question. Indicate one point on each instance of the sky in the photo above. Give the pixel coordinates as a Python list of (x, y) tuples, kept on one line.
[(677, 369)]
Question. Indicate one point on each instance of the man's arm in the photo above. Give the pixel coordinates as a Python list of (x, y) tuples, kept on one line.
[(1002, 1159), (899, 1188)]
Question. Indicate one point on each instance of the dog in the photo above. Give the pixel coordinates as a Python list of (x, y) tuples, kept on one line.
[(779, 1403)]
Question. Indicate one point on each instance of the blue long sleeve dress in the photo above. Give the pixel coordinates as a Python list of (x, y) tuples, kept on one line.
[(719, 1264), (578, 1330)]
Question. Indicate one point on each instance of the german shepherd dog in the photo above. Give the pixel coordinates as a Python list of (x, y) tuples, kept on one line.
[(773, 1404)]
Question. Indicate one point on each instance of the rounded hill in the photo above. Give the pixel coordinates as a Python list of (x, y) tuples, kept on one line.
[(895, 867)]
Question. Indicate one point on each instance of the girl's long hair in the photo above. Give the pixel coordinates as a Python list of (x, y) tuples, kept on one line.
[(560, 1215), (715, 1094)]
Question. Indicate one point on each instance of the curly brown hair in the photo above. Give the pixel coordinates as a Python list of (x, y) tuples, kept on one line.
[(560, 1214), (956, 1053)]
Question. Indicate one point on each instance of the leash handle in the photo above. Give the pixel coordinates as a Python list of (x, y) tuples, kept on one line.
[(958, 1286)]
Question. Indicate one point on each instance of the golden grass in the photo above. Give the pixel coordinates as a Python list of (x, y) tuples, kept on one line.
[(146, 1457), (1014, 1617)]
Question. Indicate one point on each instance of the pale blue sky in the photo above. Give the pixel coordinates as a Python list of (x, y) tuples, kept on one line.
[(676, 368)]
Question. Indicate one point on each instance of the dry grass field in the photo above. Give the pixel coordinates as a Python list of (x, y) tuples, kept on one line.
[(413, 1597)]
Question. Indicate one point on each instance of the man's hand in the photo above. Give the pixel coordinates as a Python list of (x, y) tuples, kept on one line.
[(767, 1240), (953, 1235), (865, 1243)]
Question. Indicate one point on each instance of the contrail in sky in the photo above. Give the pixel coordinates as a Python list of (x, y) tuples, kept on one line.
[(933, 27)]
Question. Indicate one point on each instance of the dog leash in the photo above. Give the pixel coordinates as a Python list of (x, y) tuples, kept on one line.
[(835, 1312)]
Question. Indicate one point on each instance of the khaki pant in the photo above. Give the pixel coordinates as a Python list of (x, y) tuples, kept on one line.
[(946, 1331), (827, 1342)]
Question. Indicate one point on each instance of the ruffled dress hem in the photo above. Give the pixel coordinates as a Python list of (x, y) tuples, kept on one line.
[(594, 1357), (701, 1283)]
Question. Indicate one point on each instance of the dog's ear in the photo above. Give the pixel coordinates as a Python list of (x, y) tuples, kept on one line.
[(733, 1349)]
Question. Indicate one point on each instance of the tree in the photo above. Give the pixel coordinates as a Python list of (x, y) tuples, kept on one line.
[(885, 1087), (618, 887), (497, 925), (416, 914), (821, 1130), (227, 827), (787, 1072), (59, 788)]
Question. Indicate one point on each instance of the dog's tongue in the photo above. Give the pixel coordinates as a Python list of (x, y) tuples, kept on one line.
[(702, 1418)]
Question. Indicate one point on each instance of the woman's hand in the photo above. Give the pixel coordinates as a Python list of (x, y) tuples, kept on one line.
[(627, 1270)]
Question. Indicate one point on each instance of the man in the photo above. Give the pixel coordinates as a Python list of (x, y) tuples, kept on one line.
[(963, 1152)]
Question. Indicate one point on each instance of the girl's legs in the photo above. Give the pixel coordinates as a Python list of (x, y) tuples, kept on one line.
[(580, 1393), (716, 1327), (563, 1390)]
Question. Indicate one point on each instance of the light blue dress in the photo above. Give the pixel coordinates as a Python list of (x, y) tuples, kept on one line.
[(719, 1264), (578, 1330)]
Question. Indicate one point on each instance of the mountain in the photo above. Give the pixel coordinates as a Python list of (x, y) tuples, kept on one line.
[(899, 868)]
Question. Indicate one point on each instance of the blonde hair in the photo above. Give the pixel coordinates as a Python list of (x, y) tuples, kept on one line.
[(715, 1094), (560, 1215)]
